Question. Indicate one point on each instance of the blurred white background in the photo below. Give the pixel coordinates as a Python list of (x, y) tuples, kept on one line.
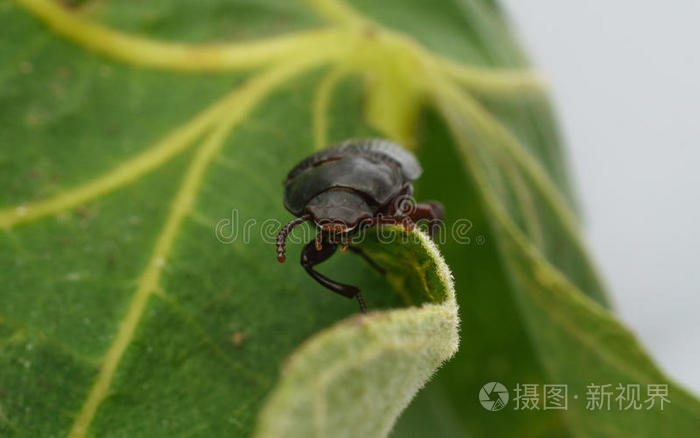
[(625, 77)]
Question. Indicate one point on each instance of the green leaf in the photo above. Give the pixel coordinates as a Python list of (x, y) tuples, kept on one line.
[(379, 360), (137, 138)]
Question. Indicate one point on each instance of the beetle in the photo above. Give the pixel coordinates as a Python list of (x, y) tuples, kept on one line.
[(356, 184)]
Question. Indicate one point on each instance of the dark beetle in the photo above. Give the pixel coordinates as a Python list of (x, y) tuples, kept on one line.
[(356, 184)]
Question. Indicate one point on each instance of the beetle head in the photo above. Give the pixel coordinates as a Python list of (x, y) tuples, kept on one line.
[(338, 211)]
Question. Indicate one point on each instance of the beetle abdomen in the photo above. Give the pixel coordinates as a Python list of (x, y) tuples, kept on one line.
[(377, 180), (383, 150)]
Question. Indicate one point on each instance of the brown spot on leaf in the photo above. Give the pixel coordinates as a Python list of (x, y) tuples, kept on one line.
[(58, 90), (105, 71), (26, 67), (64, 72), (238, 338), (83, 211)]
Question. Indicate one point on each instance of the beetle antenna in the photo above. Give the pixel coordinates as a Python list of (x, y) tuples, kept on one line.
[(282, 236)]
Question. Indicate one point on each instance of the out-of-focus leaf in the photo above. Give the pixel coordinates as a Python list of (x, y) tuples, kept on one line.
[(354, 378)]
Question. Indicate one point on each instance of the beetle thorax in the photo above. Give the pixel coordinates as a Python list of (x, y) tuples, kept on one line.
[(339, 210)]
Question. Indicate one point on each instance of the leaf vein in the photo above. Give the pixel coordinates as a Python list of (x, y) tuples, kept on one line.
[(244, 100)]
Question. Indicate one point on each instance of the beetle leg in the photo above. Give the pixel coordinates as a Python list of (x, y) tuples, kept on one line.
[(318, 242), (431, 211), (311, 257), (407, 223), (346, 244)]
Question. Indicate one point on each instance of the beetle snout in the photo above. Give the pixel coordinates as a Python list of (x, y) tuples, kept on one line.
[(332, 225), (335, 228)]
